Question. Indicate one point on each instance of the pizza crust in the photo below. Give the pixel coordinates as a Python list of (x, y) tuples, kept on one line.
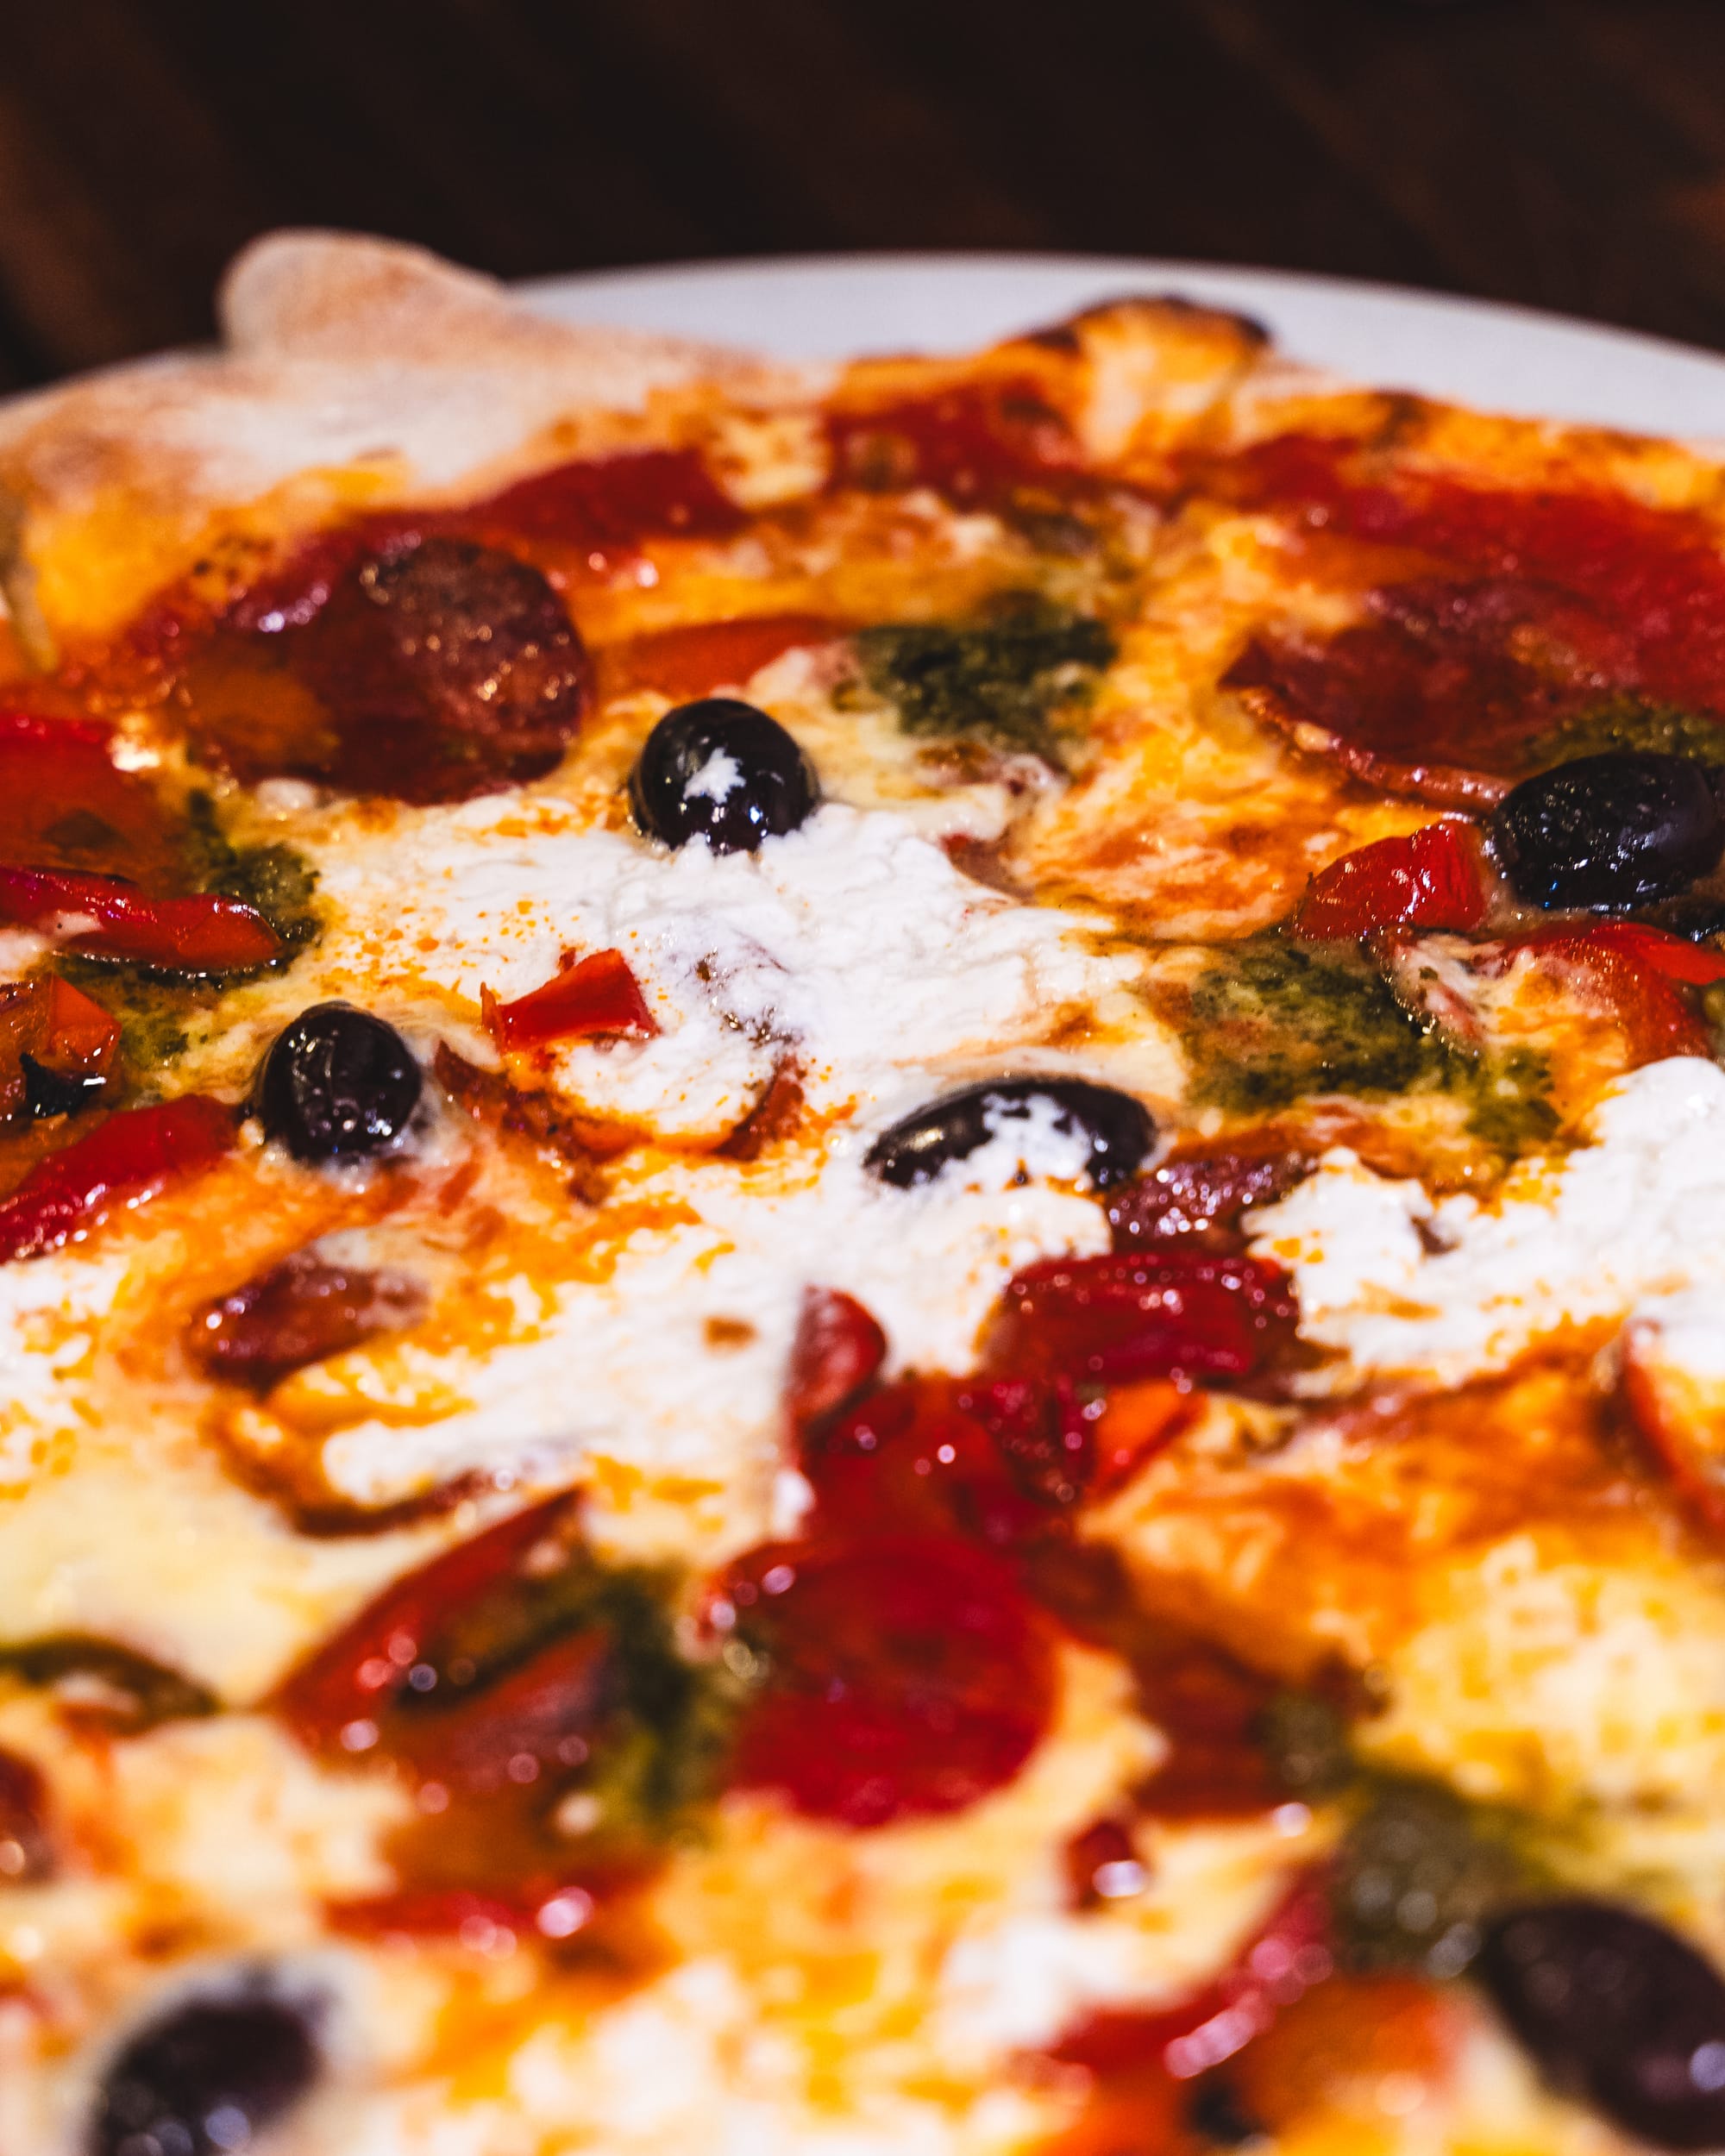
[(354, 370)]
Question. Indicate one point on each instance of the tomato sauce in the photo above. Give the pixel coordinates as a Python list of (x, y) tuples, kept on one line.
[(978, 443)]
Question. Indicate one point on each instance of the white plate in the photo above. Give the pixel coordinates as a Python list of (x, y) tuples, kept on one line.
[(1503, 359)]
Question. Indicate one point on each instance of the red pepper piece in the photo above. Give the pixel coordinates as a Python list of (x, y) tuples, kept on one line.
[(64, 804), (116, 920), (907, 1675), (597, 995), (62, 1030), (355, 1677), (1289, 1955), (1174, 1313), (300, 1311), (1430, 879), (838, 1350), (26, 1853), (1641, 974), (126, 1160), (1200, 1195)]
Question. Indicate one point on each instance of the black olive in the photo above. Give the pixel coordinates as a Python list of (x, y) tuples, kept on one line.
[(1611, 833), (1618, 2010), (206, 2078), (1119, 1129), (722, 771), (337, 1083), (1215, 2113), (50, 1093)]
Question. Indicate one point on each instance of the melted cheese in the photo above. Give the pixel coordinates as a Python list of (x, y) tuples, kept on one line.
[(1400, 1282)]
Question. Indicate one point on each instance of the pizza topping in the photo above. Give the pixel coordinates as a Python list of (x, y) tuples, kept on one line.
[(1203, 1192), (432, 671), (26, 1853), (1612, 831), (1417, 1877), (700, 657), (534, 1702), (721, 770), (337, 1084), (1617, 2009), (1010, 681), (1431, 878), (208, 2076), (900, 1676), (1174, 1312), (65, 805), (539, 1118), (105, 917), (838, 1349), (1640, 976), (979, 443), (57, 1048), (103, 1686), (302, 1311), (126, 1160), (597, 995), (1070, 1127), (608, 505)]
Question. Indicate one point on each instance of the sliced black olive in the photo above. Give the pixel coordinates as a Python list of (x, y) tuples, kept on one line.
[(1618, 2010), (914, 1151), (337, 1084), (49, 1092), (207, 2077), (1612, 832), (722, 771)]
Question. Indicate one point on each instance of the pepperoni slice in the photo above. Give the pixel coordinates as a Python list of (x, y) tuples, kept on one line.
[(434, 670), (905, 1676), (1201, 1194), (1548, 602)]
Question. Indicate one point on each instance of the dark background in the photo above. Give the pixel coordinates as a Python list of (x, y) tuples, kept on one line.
[(1569, 154)]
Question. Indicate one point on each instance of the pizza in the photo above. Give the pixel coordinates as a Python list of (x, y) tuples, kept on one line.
[(861, 1236)]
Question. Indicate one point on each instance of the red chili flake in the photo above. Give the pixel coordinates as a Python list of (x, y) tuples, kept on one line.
[(126, 1160), (1429, 878), (594, 995), (904, 1676), (105, 917)]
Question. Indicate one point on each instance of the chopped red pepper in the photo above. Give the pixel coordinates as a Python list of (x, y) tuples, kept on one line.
[(1429, 878), (65, 1032), (1162, 1313), (596, 995), (1673, 957), (1289, 1954), (64, 804), (105, 917), (1642, 973), (838, 1349), (126, 1160), (907, 1676)]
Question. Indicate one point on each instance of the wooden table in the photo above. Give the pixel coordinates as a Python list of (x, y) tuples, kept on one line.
[(1569, 153)]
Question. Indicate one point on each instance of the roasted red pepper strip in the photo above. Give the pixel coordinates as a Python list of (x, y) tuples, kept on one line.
[(1641, 973), (187, 935), (127, 1161), (597, 995), (1430, 879), (63, 1030), (1289, 1956), (356, 1675), (1673, 957), (838, 1350)]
